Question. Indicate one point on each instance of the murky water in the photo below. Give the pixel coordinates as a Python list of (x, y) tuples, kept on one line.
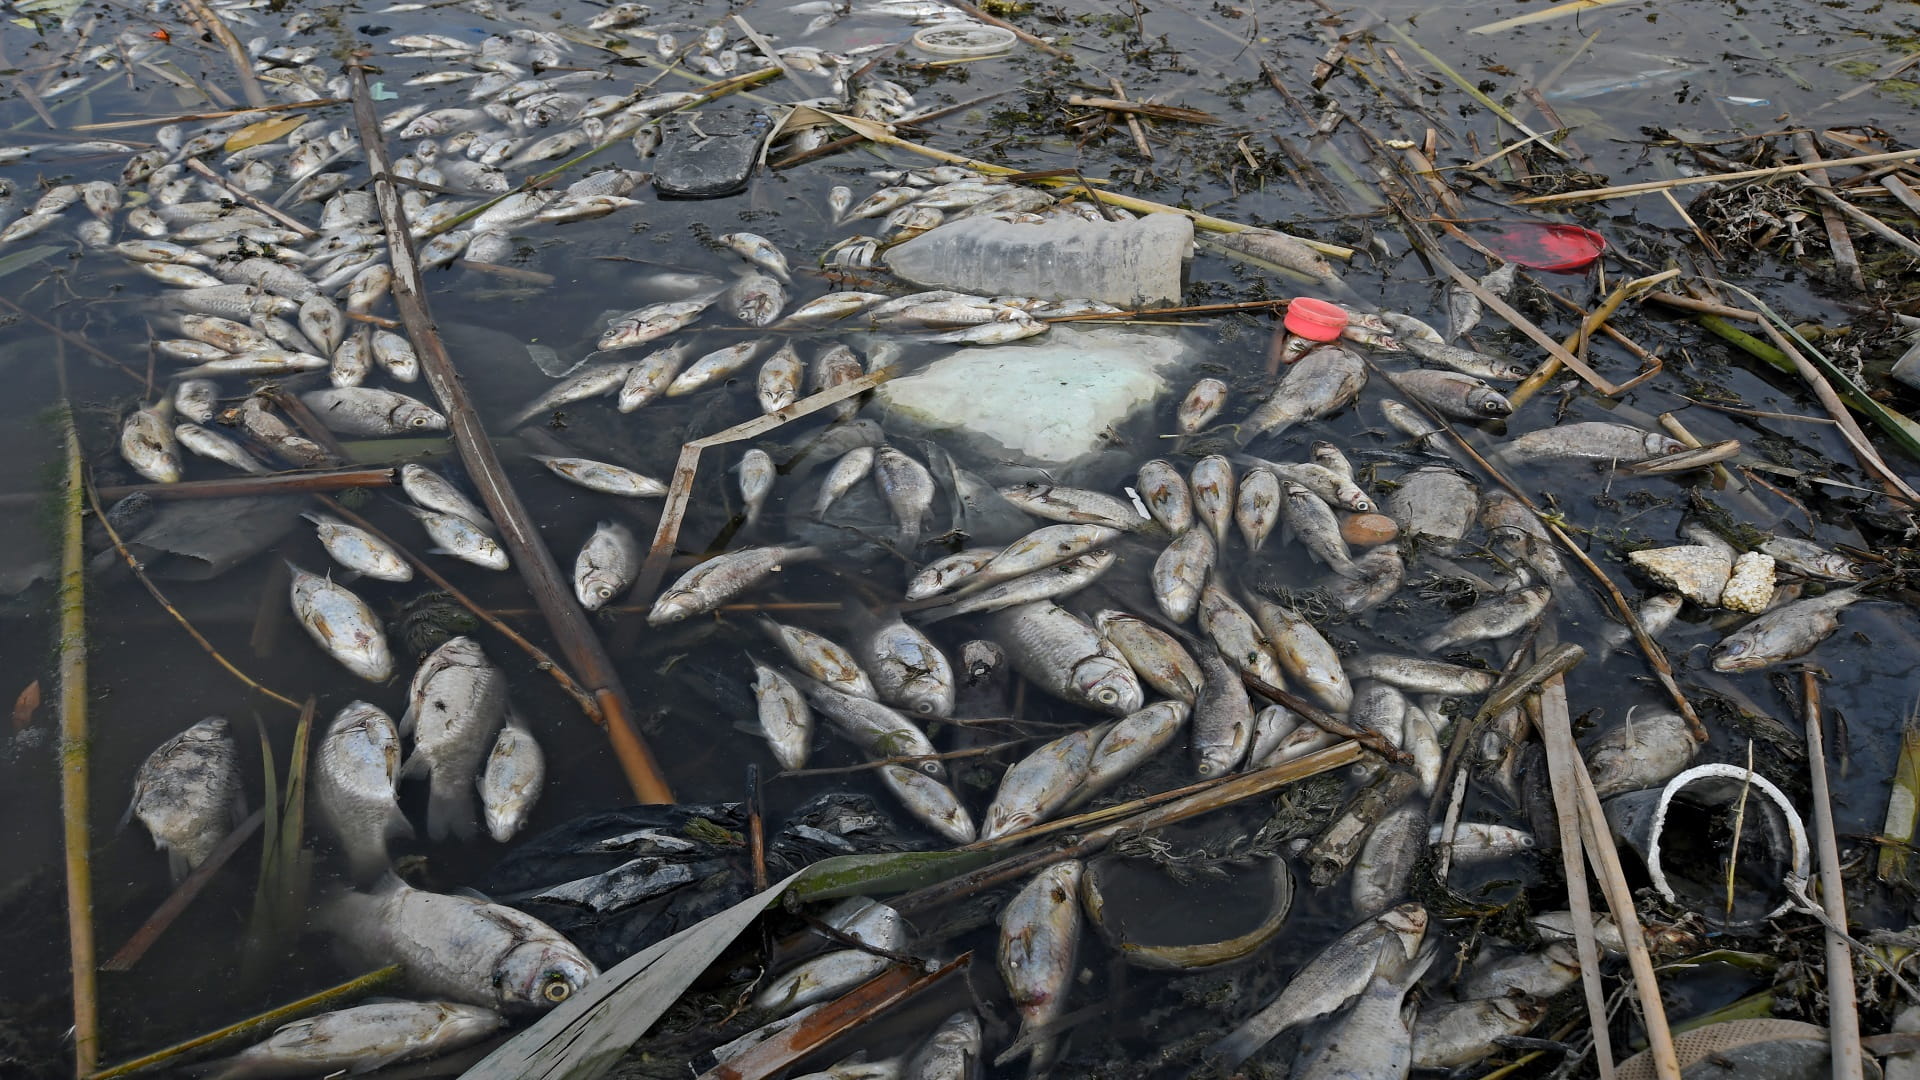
[(1645, 70)]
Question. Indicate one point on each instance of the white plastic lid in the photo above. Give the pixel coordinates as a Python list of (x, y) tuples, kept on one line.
[(966, 39)]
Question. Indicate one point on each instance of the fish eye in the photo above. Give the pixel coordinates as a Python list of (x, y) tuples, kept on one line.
[(1363, 506), (557, 989), (1494, 407), (604, 592), (931, 768), (1107, 696), (418, 421), (924, 708)]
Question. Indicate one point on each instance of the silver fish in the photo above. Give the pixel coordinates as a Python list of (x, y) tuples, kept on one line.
[(606, 565), (1335, 488), (430, 490), (1314, 525), (822, 659), (516, 771), (1167, 496), (342, 624), (197, 399), (1801, 556), (395, 355), (1181, 572), (364, 1037), (655, 374), (1451, 1034), (908, 488), (720, 579), (1452, 394), (831, 974), (1073, 506), (1064, 656), (603, 477), (851, 468), (952, 1052), (1376, 576), (356, 772), (1373, 1039), (1589, 441), (187, 793), (1304, 653), (1492, 618), (1049, 583), (1131, 742), (455, 706), (650, 323), (931, 801), (1387, 858), (910, 671), (1222, 718), (214, 446), (948, 571), (1469, 361), (778, 384), (878, 729), (362, 410), (1203, 402), (1538, 975), (716, 366), (1418, 674), (1321, 383), (147, 443), (1789, 631), (756, 483), (1645, 750), (756, 299), (1039, 944), (1212, 483), (1257, 507), (1234, 633), (1157, 656), (461, 538), (461, 948), (1034, 788), (1434, 503), (1333, 977), (785, 720), (357, 549), (757, 250)]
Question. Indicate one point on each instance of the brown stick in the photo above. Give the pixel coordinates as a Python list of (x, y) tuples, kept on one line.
[(231, 486), (182, 896), (1843, 1014), (555, 598), (75, 759), (1838, 241), (178, 118), (249, 198), (242, 65), (991, 20), (1705, 307), (1325, 720), (1142, 108)]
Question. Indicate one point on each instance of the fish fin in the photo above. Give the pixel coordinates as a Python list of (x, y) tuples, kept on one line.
[(345, 576), (239, 808), (450, 812), (416, 767), (398, 827), (178, 864)]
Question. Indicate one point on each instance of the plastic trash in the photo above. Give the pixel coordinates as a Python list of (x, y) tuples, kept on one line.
[(1129, 263), (1540, 246), (1316, 320), (964, 40), (1674, 830)]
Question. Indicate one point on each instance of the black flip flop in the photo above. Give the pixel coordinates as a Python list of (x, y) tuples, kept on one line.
[(709, 154)]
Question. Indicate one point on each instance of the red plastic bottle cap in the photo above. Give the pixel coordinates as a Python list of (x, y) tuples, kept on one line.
[(1316, 320)]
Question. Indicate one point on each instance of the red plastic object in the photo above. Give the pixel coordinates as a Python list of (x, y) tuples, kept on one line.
[(1562, 249), (1316, 320)]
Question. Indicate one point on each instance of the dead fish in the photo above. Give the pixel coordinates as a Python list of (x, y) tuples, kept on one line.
[(1463, 311), (1589, 441), (1373, 1038), (359, 550), (756, 483), (214, 446), (147, 443), (460, 538), (1049, 583), (1232, 630), (516, 770), (461, 948), (946, 572), (606, 565), (363, 410), (431, 491), (720, 579), (455, 707), (1434, 504), (1451, 1034), (1169, 500), (1376, 577), (1067, 658), (778, 384), (187, 793), (364, 1037), (719, 365), (1539, 975), (1452, 394), (952, 1052), (851, 468), (341, 624), (1321, 383), (1304, 653), (1645, 750), (1212, 484), (1418, 674), (650, 323), (1073, 506), (1037, 786), (908, 488), (757, 250), (879, 730), (1039, 944), (656, 374), (930, 801), (1387, 859), (1181, 572), (1314, 525), (910, 671), (1157, 656), (756, 299), (356, 773), (1492, 618), (1789, 631), (785, 720), (1257, 507), (603, 477), (1203, 402), (1222, 718), (197, 399), (591, 381)]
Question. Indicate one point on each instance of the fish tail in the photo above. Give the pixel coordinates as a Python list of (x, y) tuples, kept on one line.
[(178, 864), (368, 860), (449, 810)]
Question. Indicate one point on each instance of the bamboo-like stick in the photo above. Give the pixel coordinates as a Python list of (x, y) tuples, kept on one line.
[(160, 598), (1596, 194), (242, 65), (1843, 1015), (248, 197), (1705, 307), (274, 1017), (181, 118), (1142, 108), (74, 755), (576, 636), (229, 486), (1588, 327)]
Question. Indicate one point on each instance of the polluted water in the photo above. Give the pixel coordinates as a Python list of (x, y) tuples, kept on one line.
[(533, 481)]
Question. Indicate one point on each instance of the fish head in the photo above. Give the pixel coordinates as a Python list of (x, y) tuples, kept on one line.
[(1737, 653), (1488, 402), (420, 418), (538, 975), (1510, 369), (595, 588), (1108, 684), (212, 729), (1408, 922), (930, 701)]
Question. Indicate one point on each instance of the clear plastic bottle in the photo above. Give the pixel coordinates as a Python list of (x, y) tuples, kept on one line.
[(1129, 263)]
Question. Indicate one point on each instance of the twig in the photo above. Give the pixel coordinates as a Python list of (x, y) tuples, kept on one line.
[(1326, 721), (71, 338), (982, 16), (230, 486), (75, 759), (1845, 258), (1843, 1016), (1588, 327), (756, 829), (1867, 221), (1595, 194), (93, 498), (530, 555), (242, 66), (182, 896), (1705, 307), (1473, 91), (1739, 826), (1141, 108), (1134, 127), (245, 196), (271, 1018), (179, 118)]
